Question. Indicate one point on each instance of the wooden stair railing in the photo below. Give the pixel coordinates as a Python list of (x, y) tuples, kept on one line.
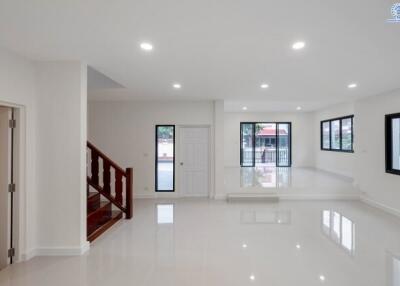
[(111, 182)]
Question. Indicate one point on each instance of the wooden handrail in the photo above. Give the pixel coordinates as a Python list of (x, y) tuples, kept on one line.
[(104, 157), (126, 205)]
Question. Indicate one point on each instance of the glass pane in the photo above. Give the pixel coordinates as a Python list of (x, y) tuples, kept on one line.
[(347, 143), (335, 135), (265, 144), (325, 135), (247, 132), (396, 143), (283, 144), (165, 158)]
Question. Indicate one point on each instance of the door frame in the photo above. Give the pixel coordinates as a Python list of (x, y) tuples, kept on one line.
[(276, 140), (19, 228), (156, 160), (210, 162)]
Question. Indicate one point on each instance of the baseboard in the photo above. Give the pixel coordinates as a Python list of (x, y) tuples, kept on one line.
[(145, 196), (57, 251), (380, 206), (317, 197), (166, 195)]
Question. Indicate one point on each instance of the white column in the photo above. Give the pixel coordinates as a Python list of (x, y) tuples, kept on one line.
[(219, 148), (61, 157)]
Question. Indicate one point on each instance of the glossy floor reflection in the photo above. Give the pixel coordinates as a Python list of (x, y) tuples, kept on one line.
[(206, 242), (286, 181)]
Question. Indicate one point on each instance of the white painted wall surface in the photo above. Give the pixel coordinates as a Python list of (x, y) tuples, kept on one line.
[(370, 175), (126, 132), (302, 135), (336, 162), (61, 157), (17, 88)]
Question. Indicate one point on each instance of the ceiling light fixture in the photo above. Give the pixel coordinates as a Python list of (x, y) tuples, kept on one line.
[(352, 85), (244, 245), (298, 246), (298, 45), (298, 108), (322, 277), (244, 108), (146, 46), (264, 85), (252, 277), (177, 85)]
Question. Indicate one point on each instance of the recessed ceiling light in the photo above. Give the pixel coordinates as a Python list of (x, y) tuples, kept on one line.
[(264, 85), (352, 85), (177, 85), (298, 108), (146, 46), (322, 277), (298, 246), (244, 108), (252, 277), (244, 245), (298, 45)]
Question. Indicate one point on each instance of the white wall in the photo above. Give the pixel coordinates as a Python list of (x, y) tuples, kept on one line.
[(17, 88), (51, 130), (376, 185), (126, 132), (61, 156), (302, 135), (337, 162)]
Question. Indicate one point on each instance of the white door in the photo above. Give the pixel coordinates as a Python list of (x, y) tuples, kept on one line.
[(5, 159), (194, 161)]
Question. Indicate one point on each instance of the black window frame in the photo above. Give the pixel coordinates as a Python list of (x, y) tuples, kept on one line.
[(388, 143), (340, 119), (156, 159), (276, 140)]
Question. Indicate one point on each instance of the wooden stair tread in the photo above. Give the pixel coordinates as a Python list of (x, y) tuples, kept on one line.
[(102, 207), (115, 216)]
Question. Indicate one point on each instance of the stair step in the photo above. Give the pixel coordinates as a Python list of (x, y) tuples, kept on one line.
[(93, 202), (99, 216), (106, 224)]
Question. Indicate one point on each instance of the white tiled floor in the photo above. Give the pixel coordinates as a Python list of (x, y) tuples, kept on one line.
[(206, 242)]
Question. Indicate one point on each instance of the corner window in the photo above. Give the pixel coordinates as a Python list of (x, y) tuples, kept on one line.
[(392, 128), (337, 134)]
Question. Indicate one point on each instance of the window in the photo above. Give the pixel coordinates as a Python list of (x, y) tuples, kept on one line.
[(265, 144), (392, 127), (337, 134), (165, 158)]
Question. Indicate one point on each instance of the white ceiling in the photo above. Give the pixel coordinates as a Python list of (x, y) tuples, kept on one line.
[(217, 49)]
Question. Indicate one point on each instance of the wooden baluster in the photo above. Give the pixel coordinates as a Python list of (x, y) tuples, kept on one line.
[(129, 194), (106, 177), (95, 167), (118, 186)]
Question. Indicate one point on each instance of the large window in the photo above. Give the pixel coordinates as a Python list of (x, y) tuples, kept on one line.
[(265, 144), (337, 134), (165, 158), (392, 126)]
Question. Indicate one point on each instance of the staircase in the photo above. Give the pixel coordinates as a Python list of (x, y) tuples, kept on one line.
[(109, 192)]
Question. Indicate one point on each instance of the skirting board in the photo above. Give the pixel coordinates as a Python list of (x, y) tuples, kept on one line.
[(294, 197), (162, 195), (379, 206), (57, 251)]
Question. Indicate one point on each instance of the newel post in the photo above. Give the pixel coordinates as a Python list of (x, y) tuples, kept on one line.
[(129, 193)]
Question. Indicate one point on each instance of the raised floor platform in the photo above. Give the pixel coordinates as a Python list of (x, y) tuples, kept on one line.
[(273, 183)]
